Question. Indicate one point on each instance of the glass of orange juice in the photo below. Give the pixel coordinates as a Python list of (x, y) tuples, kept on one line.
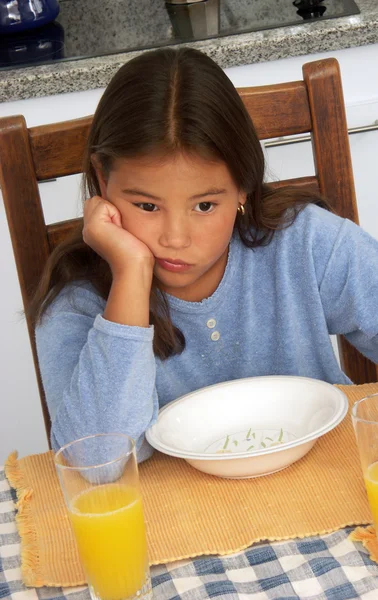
[(99, 479), (365, 423)]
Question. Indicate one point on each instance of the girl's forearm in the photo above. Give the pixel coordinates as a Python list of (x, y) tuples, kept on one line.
[(129, 298)]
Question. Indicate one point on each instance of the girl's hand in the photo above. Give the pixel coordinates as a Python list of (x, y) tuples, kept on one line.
[(104, 233)]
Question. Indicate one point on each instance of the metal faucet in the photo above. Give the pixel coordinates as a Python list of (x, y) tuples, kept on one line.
[(194, 19), (183, 1)]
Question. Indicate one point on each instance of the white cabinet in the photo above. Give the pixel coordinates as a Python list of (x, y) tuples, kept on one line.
[(21, 426)]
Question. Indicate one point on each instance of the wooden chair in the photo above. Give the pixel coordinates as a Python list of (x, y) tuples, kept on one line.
[(314, 105)]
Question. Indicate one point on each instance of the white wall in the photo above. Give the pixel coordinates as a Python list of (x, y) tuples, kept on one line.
[(21, 424)]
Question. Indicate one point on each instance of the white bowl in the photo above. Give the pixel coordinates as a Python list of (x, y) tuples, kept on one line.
[(248, 427)]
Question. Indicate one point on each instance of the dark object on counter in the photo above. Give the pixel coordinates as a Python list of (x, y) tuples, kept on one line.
[(30, 47), (20, 15), (310, 9)]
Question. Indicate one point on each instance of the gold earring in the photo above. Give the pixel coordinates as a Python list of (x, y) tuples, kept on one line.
[(241, 209)]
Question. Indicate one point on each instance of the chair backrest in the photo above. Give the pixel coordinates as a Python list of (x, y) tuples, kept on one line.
[(314, 105)]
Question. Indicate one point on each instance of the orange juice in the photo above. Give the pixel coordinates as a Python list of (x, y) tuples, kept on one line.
[(371, 482), (109, 529)]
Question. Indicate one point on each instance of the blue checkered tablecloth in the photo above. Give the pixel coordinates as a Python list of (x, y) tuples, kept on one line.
[(326, 567)]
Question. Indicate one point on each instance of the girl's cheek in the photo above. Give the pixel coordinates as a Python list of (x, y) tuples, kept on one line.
[(142, 230)]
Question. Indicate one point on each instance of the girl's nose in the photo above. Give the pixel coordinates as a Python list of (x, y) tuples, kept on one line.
[(175, 233)]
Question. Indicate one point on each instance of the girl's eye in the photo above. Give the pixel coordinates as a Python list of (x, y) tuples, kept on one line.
[(205, 207), (147, 206)]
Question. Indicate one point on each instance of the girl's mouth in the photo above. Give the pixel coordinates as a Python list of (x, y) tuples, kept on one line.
[(175, 266)]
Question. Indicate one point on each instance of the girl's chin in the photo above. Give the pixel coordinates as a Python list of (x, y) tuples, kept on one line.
[(176, 280), (174, 283)]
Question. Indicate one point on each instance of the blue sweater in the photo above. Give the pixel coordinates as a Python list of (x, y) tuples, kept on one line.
[(271, 314)]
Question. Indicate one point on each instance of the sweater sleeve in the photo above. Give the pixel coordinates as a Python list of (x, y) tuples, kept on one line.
[(98, 376), (349, 289)]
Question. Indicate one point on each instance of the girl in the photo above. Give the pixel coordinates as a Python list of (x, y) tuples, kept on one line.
[(192, 271)]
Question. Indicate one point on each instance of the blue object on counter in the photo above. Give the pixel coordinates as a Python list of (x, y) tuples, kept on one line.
[(42, 45), (20, 15)]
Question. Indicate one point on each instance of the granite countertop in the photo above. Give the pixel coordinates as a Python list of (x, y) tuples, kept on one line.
[(228, 51)]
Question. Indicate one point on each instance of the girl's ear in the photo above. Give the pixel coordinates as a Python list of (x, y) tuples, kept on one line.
[(100, 176), (242, 197)]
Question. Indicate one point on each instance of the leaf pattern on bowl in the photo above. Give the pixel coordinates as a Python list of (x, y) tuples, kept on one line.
[(250, 440)]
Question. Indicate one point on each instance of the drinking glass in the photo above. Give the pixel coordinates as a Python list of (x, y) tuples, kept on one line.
[(99, 478), (365, 423)]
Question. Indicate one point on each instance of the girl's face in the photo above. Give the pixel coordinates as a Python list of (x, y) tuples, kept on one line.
[(184, 210)]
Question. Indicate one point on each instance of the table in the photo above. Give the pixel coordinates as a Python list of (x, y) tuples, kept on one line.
[(327, 567)]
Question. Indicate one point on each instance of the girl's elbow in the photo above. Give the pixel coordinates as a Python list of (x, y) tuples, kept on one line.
[(144, 450)]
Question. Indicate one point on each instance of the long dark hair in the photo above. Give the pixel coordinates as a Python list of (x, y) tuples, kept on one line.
[(160, 103)]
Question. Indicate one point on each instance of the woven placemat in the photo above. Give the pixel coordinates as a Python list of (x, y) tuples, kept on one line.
[(189, 513)]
